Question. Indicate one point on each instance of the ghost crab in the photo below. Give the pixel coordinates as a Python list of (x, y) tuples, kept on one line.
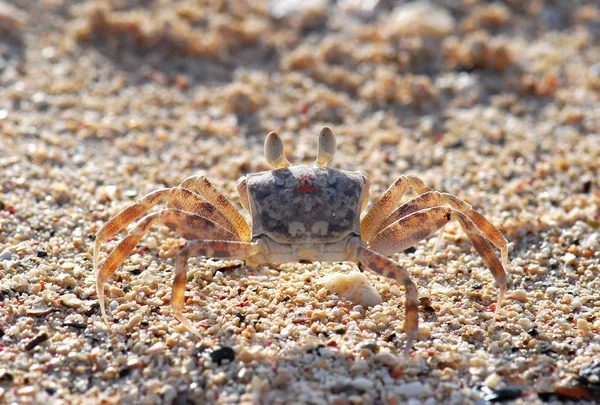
[(301, 213)]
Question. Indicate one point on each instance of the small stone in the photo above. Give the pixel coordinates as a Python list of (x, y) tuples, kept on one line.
[(570, 259), (421, 19), (244, 375), (71, 301), (354, 287), (386, 359), (137, 318), (362, 383), (156, 348), (33, 343), (39, 309), (135, 362), (223, 353), (493, 381), (6, 255), (583, 325), (411, 389), (27, 391), (109, 374), (519, 295), (245, 356), (285, 332), (439, 289)]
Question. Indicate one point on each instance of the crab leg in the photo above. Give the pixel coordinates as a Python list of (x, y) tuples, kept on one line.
[(177, 197), (185, 224), (201, 185), (390, 269), (125, 217), (407, 231), (388, 201), (207, 248), (433, 199)]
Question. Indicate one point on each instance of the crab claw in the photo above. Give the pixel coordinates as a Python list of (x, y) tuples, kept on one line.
[(327, 145), (274, 151)]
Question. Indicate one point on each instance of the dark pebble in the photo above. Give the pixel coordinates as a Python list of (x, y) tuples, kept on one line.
[(221, 354), (76, 325), (33, 343), (371, 346), (42, 254), (346, 389)]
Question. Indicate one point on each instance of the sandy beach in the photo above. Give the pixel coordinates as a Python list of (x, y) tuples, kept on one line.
[(103, 102)]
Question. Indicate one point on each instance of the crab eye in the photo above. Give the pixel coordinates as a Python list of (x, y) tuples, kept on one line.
[(327, 146), (274, 151)]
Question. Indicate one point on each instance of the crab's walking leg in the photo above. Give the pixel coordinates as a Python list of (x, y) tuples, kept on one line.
[(487, 254), (185, 224), (177, 197), (433, 199), (201, 185), (125, 217), (389, 268), (208, 248), (388, 201), (407, 231)]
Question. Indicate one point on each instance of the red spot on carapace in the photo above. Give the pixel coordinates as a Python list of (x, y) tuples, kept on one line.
[(305, 188)]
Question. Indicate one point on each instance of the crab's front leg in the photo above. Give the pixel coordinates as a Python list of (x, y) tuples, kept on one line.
[(206, 248), (201, 185), (390, 269), (388, 202)]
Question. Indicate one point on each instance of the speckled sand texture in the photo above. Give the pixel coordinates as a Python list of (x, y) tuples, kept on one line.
[(103, 102)]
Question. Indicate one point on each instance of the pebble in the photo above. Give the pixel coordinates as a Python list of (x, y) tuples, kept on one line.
[(134, 320), (519, 295), (493, 381), (583, 325), (156, 348), (6, 255), (40, 308), (33, 343), (421, 19), (386, 359), (71, 301), (221, 354), (354, 287), (362, 383), (412, 389)]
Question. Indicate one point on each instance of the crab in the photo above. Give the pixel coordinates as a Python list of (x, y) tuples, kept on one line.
[(301, 213)]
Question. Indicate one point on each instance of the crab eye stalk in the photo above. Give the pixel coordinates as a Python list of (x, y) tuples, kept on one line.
[(327, 145), (274, 151)]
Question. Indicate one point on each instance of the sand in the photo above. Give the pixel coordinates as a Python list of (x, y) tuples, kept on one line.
[(104, 102)]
